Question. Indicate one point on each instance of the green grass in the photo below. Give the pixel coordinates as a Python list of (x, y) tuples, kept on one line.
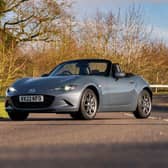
[(3, 113)]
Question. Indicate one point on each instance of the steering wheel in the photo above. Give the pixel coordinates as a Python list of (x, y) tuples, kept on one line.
[(66, 73)]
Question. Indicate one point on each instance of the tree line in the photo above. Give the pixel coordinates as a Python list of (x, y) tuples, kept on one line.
[(37, 35)]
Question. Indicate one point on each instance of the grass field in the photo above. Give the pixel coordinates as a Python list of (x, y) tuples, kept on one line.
[(3, 114)]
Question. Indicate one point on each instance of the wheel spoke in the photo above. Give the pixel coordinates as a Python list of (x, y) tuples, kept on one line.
[(146, 104), (90, 104)]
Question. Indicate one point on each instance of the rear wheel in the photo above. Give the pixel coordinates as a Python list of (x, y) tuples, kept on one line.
[(88, 105), (144, 105), (18, 116)]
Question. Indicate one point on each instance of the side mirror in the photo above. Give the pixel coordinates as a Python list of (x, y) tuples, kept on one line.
[(44, 75), (120, 74)]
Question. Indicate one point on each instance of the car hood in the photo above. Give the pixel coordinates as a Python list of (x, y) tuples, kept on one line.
[(43, 82)]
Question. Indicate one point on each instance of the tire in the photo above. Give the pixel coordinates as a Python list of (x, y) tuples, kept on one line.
[(144, 105), (88, 105), (15, 116)]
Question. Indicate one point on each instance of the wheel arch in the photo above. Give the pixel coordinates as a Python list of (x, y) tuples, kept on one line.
[(92, 87), (149, 90)]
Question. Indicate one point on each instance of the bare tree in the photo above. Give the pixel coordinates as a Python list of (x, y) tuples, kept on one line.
[(33, 20), (12, 66), (134, 33)]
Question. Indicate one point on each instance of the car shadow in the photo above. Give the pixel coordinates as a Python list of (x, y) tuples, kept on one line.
[(64, 119)]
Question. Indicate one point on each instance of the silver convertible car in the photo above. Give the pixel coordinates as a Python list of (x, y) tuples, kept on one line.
[(80, 88)]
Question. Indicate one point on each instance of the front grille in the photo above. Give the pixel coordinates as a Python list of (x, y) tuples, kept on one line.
[(48, 100)]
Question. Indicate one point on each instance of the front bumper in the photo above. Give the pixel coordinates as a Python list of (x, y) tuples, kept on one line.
[(66, 102)]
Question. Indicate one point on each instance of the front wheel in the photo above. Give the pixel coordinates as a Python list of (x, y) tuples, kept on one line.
[(88, 105), (144, 105), (18, 116)]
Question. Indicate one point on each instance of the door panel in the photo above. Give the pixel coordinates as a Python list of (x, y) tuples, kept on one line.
[(118, 93)]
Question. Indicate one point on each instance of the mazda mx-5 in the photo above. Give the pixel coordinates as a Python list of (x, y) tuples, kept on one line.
[(80, 88)]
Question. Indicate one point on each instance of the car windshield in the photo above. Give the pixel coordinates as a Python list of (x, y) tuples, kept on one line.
[(82, 67)]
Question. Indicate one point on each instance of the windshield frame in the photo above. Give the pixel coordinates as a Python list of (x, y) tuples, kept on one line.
[(84, 61)]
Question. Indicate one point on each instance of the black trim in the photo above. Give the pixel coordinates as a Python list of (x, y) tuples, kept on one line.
[(109, 64)]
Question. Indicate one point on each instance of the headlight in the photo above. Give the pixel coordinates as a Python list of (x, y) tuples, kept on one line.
[(69, 87), (10, 89), (65, 88)]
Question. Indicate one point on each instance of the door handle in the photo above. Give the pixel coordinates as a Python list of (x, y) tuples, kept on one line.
[(131, 82)]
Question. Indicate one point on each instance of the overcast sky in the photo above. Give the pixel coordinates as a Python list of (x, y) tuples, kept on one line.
[(155, 11)]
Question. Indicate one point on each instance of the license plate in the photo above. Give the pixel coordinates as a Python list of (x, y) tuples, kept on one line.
[(31, 99)]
